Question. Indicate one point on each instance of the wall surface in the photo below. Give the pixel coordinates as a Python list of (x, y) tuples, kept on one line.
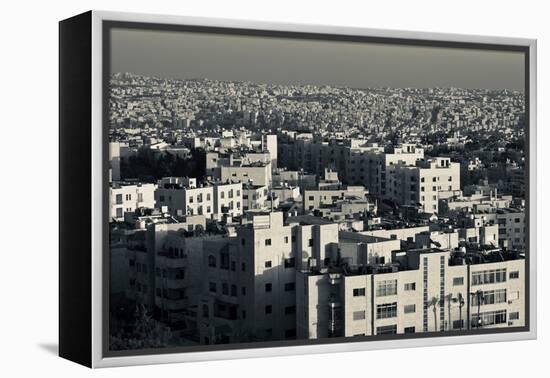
[(28, 320)]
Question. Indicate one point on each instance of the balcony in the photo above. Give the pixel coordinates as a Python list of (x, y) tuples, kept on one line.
[(171, 262)]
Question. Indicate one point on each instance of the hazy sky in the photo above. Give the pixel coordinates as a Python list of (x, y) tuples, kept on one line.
[(300, 61)]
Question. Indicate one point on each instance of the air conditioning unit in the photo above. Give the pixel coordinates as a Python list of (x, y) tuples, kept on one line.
[(510, 302)]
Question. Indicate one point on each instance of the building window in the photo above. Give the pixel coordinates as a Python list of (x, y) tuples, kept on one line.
[(358, 315), (243, 267), (119, 212), (268, 264), (290, 286), (409, 330), (211, 261), (267, 241), (359, 292), (212, 287), (310, 243), (225, 289), (489, 276), (286, 239), (268, 287), (489, 318), (268, 309), (387, 287), (514, 316), (386, 310), (118, 198), (290, 262), (243, 290), (233, 266), (411, 286), (233, 290), (205, 311), (489, 297), (458, 281), (458, 324), (514, 275), (387, 330), (409, 309), (289, 310), (290, 333)]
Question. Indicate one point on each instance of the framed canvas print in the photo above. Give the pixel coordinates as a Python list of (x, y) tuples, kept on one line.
[(232, 189)]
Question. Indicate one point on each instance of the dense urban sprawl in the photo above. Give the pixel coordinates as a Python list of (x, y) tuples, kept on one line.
[(245, 212)]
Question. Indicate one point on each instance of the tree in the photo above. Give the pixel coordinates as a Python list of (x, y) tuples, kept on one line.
[(145, 332), (460, 299), (480, 298), (449, 298), (433, 303)]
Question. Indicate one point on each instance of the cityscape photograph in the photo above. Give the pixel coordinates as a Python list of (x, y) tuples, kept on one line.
[(285, 189)]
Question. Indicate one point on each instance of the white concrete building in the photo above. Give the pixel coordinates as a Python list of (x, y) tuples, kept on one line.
[(315, 199), (183, 196), (255, 197), (429, 291), (256, 173), (421, 184), (249, 291), (126, 198), (228, 199)]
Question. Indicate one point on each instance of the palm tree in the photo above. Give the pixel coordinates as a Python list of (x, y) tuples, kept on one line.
[(449, 298), (433, 303), (460, 299), (478, 295)]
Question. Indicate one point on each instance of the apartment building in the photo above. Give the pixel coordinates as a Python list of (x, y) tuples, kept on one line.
[(228, 199), (315, 199), (269, 144), (425, 290), (183, 196), (511, 226), (127, 197), (298, 179), (249, 291), (255, 197), (165, 264), (258, 173), (422, 183), (286, 192), (215, 160), (370, 165), (475, 203)]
